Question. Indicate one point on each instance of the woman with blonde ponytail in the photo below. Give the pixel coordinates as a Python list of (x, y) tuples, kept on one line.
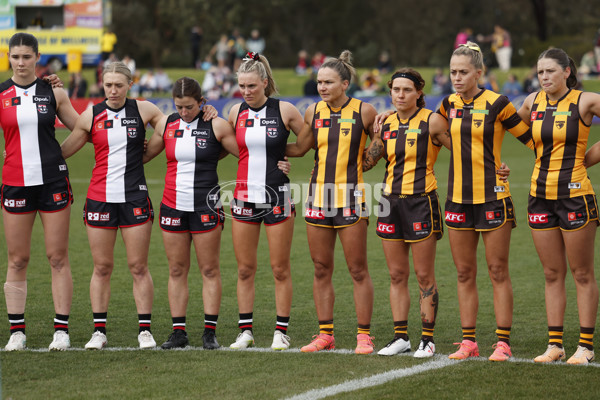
[(262, 194), (337, 128)]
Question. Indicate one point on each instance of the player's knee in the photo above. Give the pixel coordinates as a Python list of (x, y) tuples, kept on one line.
[(583, 276), (465, 274), (18, 264), (211, 271), (57, 261), (399, 278), (246, 272), (359, 272), (498, 272), (138, 270)]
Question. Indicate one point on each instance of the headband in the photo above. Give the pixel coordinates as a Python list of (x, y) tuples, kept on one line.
[(473, 47), (407, 76)]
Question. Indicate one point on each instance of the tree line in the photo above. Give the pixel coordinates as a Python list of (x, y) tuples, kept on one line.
[(414, 32)]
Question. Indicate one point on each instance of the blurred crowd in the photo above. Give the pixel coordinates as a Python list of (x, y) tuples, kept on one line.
[(225, 56)]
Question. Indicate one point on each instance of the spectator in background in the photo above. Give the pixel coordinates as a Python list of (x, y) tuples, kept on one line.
[(512, 87), (130, 63), (217, 83), (369, 84), (107, 43), (531, 83), (302, 64), (221, 52), (38, 20), (385, 64), (501, 46), (196, 45), (163, 82), (463, 36), (488, 81), (317, 60), (256, 43), (588, 65), (441, 83), (310, 86), (77, 86), (148, 84)]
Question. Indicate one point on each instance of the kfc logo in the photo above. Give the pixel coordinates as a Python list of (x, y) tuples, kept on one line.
[(455, 217), (138, 211), (572, 216), (277, 210), (417, 226), (538, 218), (205, 218), (386, 228), (314, 214), (347, 212)]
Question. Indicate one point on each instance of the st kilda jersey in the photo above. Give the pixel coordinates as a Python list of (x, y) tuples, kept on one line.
[(118, 138), (410, 154), (477, 128), (560, 137), (340, 137), (261, 137), (192, 152), (27, 115)]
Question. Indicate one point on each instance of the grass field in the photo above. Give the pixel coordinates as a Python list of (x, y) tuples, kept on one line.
[(122, 371)]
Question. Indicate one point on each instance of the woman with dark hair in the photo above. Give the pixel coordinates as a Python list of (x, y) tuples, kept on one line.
[(562, 209), (35, 180), (337, 128), (409, 214), (262, 194), (191, 210)]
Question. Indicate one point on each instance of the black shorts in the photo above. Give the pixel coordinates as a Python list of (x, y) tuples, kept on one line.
[(567, 214), (270, 213), (114, 215), (409, 218), (480, 217), (173, 220), (335, 217), (50, 197)]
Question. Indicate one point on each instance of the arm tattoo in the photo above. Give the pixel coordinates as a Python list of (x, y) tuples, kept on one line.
[(373, 154)]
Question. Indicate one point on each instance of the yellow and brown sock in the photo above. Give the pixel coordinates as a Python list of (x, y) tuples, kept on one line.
[(326, 327), (503, 334), (364, 329), (555, 336), (427, 331), (586, 337), (401, 330), (468, 333)]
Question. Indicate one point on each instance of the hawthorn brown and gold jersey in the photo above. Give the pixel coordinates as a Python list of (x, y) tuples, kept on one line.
[(340, 138), (560, 138), (477, 129), (410, 154)]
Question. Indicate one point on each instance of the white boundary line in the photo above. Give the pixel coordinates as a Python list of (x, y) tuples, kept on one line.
[(373, 380)]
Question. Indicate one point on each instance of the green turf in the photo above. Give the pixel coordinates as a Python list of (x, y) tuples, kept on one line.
[(268, 375)]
